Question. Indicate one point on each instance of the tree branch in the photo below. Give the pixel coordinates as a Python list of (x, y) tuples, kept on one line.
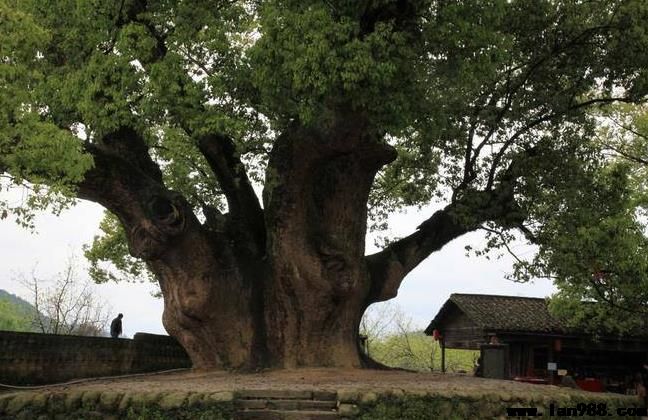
[(244, 206), (389, 267), (512, 87), (628, 156), (534, 123), (126, 181), (505, 243), (127, 144), (598, 288), (117, 184), (628, 129), (468, 212)]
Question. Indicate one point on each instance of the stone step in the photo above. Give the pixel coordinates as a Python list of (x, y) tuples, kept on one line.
[(285, 415), (274, 404), (277, 394), (325, 395), (302, 405)]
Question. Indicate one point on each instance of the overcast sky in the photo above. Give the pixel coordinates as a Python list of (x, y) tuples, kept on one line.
[(421, 295)]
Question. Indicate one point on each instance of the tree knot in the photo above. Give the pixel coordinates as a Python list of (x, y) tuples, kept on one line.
[(166, 219)]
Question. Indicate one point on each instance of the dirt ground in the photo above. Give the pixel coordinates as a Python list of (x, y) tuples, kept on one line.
[(314, 379)]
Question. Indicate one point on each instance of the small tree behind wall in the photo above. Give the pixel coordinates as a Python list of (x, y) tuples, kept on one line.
[(394, 340), (66, 304)]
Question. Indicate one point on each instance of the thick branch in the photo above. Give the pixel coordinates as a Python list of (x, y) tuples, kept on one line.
[(468, 212), (129, 145), (126, 181), (244, 207), (122, 172), (389, 267)]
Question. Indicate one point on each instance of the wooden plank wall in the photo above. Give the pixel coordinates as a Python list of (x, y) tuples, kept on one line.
[(460, 332)]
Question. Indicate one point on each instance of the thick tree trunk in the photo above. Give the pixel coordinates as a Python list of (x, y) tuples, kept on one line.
[(282, 286), (318, 286), (298, 304), (299, 308)]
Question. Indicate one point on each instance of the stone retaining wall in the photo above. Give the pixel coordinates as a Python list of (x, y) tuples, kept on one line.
[(352, 404), (34, 359), (494, 405)]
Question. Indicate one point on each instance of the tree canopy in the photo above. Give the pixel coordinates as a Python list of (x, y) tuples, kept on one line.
[(595, 248), (174, 114)]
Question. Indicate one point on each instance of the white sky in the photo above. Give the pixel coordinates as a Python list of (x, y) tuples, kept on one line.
[(421, 295)]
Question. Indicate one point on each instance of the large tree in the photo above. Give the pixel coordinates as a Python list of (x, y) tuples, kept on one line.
[(170, 113)]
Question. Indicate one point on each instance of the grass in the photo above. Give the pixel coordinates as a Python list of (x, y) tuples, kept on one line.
[(417, 351)]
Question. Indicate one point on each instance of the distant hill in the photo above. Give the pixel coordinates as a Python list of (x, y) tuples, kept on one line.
[(15, 313), (16, 300)]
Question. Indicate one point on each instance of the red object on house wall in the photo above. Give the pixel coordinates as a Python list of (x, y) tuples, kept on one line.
[(436, 334), (590, 384)]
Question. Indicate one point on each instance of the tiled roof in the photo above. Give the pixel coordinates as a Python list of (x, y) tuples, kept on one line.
[(502, 313), (495, 313)]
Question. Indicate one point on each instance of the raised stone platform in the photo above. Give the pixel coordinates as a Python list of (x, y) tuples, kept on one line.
[(298, 394)]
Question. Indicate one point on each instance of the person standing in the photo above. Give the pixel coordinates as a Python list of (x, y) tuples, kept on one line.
[(644, 380), (116, 326)]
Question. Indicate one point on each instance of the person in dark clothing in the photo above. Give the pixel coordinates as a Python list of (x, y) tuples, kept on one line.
[(644, 380), (116, 326)]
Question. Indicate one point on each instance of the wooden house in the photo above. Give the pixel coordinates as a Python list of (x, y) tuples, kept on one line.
[(534, 345)]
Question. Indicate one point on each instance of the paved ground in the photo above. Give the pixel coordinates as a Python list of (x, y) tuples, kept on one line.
[(315, 379)]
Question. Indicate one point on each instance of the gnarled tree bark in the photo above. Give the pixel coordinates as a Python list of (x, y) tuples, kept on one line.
[(280, 286)]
